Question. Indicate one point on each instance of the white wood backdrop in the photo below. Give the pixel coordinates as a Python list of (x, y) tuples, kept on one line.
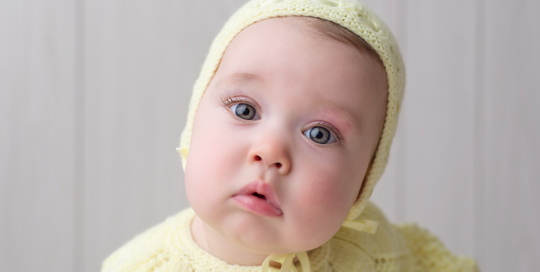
[(93, 97)]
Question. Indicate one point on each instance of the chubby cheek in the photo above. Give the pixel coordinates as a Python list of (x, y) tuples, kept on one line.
[(212, 165), (323, 202)]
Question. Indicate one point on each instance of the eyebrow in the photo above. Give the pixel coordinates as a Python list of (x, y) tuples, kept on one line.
[(240, 79)]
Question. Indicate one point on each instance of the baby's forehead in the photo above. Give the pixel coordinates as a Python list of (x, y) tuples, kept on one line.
[(329, 31), (278, 55), (321, 32)]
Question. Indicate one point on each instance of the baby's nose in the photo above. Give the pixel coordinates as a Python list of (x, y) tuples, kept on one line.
[(272, 154)]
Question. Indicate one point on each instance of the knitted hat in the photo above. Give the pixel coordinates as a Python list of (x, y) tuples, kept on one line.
[(349, 14)]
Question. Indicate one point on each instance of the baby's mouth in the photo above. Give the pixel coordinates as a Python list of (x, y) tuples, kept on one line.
[(259, 197), (264, 198)]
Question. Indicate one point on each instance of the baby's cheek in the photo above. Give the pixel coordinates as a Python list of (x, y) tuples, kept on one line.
[(204, 169), (329, 198), (331, 186), (324, 203)]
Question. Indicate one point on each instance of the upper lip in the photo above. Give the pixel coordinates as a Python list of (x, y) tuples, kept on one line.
[(260, 188)]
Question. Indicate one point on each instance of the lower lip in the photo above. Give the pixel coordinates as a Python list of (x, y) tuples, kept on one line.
[(257, 205)]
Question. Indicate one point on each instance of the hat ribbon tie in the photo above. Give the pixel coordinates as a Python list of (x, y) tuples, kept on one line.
[(286, 261), (368, 226)]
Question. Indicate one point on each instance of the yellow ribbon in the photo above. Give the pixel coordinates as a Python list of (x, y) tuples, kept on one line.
[(286, 261), (368, 226)]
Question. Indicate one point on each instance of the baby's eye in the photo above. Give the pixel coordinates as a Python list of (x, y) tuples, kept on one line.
[(244, 111), (320, 135)]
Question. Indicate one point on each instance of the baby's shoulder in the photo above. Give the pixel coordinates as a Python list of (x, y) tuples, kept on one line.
[(405, 247), (430, 253), (151, 249), (372, 252)]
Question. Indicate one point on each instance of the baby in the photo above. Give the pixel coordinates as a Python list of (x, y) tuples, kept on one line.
[(289, 129)]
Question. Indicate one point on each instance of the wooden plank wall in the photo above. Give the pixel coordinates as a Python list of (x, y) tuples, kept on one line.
[(38, 91), (93, 97)]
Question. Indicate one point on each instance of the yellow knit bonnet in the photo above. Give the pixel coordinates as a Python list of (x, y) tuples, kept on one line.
[(349, 14)]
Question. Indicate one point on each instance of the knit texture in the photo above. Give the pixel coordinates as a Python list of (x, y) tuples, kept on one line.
[(347, 13), (170, 247)]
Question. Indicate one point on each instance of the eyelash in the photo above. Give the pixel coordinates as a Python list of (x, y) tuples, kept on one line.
[(228, 101), (231, 100)]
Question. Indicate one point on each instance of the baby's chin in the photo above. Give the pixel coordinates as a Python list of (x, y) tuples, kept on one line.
[(256, 235)]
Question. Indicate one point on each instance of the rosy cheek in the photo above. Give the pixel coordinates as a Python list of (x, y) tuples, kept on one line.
[(320, 206), (322, 193), (206, 161), (317, 196)]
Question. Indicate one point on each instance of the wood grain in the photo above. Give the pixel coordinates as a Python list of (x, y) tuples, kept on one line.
[(439, 113), (37, 143), (512, 137)]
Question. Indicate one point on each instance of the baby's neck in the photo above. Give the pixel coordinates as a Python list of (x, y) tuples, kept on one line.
[(214, 243)]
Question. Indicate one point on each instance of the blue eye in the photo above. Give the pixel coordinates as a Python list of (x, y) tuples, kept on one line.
[(244, 111), (320, 135)]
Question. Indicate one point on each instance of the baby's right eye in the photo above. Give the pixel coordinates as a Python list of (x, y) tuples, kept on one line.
[(244, 111)]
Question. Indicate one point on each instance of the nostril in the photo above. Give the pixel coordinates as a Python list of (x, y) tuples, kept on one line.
[(258, 158), (278, 165)]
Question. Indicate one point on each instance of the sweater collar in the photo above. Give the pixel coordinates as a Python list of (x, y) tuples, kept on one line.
[(200, 260)]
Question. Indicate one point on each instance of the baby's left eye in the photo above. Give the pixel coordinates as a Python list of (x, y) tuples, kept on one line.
[(320, 135)]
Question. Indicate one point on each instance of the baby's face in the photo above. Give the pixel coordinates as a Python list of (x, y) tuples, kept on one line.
[(283, 137)]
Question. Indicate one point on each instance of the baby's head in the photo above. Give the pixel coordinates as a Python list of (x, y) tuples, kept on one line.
[(286, 140)]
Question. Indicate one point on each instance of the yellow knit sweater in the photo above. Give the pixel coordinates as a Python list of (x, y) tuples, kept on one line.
[(169, 246)]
